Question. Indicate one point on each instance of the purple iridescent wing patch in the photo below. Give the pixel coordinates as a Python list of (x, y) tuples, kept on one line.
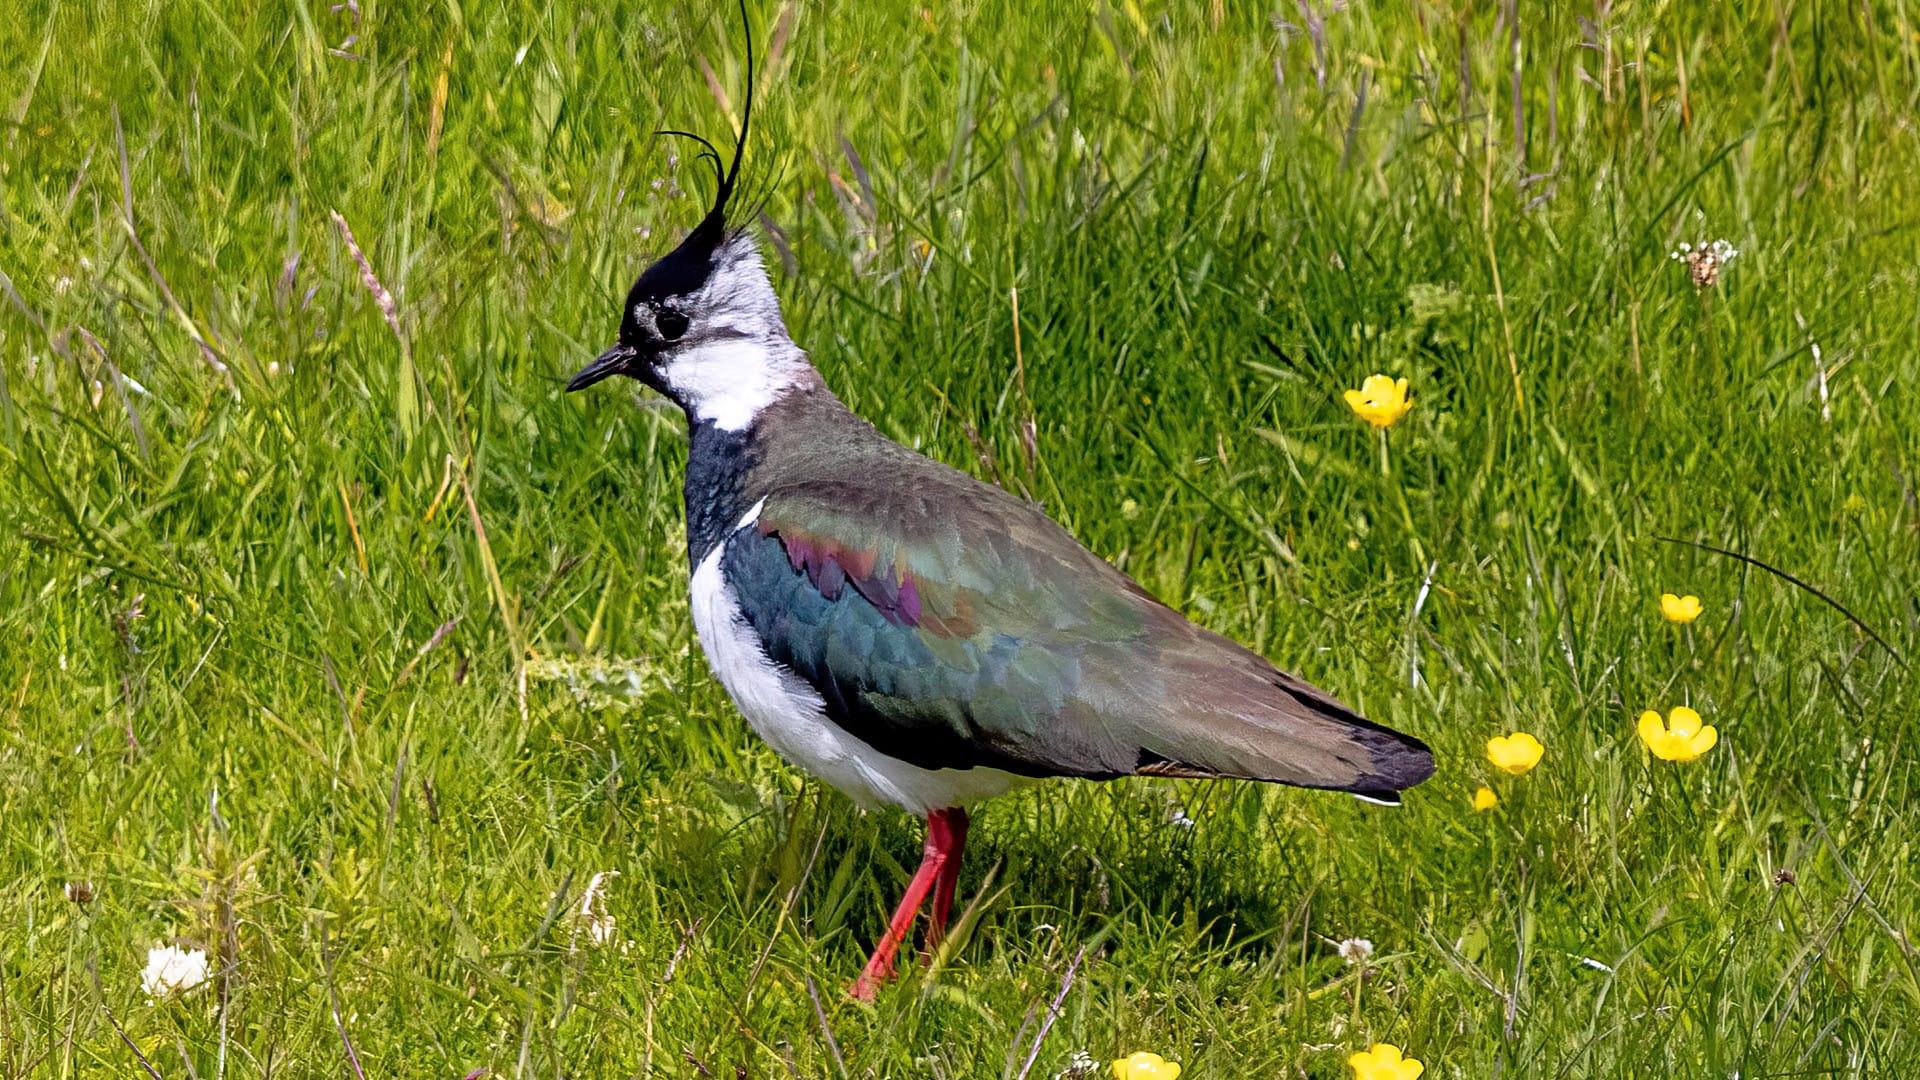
[(831, 567)]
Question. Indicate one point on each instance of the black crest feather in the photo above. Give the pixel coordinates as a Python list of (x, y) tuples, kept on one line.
[(714, 224)]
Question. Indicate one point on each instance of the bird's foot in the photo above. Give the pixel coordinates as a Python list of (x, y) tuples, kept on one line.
[(879, 969)]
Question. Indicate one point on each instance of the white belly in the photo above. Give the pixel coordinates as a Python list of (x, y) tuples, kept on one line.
[(791, 716)]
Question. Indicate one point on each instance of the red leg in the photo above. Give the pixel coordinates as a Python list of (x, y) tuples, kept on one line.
[(940, 850), (955, 821)]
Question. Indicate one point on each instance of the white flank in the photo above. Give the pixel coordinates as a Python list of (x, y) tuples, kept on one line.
[(791, 716)]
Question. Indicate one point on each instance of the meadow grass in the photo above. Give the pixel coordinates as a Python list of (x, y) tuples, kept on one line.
[(350, 649)]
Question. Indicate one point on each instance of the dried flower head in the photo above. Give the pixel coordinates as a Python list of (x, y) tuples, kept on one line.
[(1705, 260), (81, 892)]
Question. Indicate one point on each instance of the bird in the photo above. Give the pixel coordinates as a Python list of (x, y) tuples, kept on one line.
[(911, 635)]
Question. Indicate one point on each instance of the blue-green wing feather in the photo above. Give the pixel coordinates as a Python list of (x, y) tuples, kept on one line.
[(951, 625)]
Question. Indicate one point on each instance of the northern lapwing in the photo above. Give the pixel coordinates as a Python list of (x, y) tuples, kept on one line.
[(913, 636)]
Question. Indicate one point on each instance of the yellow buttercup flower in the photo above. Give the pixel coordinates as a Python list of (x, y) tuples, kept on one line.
[(1485, 799), (1145, 1066), (1679, 609), (1380, 401), (1682, 737), (1384, 1062), (1517, 753)]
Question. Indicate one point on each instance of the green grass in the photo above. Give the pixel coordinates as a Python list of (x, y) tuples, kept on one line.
[(214, 595)]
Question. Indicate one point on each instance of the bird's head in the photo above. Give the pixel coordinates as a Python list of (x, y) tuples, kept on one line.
[(702, 324)]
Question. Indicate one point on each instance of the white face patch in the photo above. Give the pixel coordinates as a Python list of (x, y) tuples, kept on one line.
[(736, 357), (727, 383)]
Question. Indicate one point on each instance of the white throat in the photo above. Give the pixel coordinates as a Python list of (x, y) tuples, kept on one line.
[(728, 383)]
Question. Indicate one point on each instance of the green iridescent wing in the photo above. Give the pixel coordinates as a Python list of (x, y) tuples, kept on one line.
[(951, 625)]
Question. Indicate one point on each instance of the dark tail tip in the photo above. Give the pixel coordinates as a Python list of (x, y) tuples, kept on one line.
[(1399, 762)]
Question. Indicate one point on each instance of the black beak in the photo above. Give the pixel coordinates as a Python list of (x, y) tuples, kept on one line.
[(612, 362)]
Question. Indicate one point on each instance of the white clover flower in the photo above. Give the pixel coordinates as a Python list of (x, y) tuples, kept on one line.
[(1180, 819), (1081, 1064), (1355, 950), (172, 971)]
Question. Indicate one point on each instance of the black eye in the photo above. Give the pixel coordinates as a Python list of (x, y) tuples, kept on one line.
[(671, 324)]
